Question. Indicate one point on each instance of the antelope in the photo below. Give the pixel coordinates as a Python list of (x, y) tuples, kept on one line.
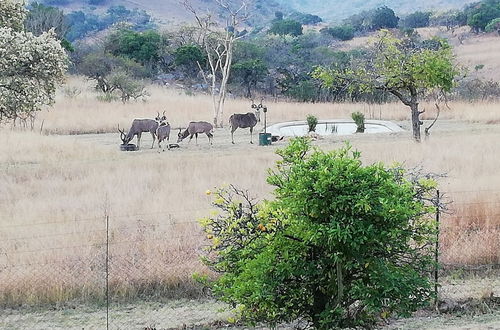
[(194, 128), (140, 126), (162, 133), (246, 120)]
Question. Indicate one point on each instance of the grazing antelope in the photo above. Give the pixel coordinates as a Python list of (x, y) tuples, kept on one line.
[(140, 126), (194, 128), (246, 120), (162, 133)]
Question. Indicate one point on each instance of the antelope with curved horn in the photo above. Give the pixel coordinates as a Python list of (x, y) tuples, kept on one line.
[(140, 126), (245, 120), (194, 128)]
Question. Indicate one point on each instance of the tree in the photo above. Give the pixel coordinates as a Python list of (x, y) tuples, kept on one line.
[(341, 245), (114, 74), (450, 19), (306, 19), (415, 20), (142, 47), (218, 43), (494, 25), (249, 73), (342, 32), (43, 18), (384, 18), (399, 68), (188, 57), (31, 67), (479, 15), (286, 27)]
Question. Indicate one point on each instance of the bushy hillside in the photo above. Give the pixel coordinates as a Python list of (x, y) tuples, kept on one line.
[(168, 11), (335, 10)]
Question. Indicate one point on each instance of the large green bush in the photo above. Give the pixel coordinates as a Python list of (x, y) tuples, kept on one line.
[(286, 27), (342, 244)]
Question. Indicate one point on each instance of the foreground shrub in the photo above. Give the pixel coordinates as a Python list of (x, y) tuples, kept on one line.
[(341, 244)]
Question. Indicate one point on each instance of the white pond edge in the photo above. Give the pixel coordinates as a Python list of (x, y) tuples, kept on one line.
[(275, 129)]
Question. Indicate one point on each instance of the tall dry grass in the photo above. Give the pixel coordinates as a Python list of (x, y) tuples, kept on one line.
[(85, 114), (55, 192)]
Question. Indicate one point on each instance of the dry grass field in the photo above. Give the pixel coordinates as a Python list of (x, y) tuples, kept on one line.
[(57, 188)]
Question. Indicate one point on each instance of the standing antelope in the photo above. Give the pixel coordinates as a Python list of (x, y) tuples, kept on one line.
[(162, 133), (194, 128), (246, 120), (140, 126)]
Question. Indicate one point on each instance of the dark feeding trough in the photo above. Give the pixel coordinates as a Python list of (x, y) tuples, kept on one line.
[(128, 147)]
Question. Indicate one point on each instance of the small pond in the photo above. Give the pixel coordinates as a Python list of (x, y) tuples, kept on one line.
[(333, 126)]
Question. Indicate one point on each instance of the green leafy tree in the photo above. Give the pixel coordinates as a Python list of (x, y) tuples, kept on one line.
[(450, 19), (286, 27), (341, 245), (249, 73), (397, 67), (189, 58), (114, 75), (384, 18), (143, 47), (479, 15), (415, 20), (31, 67), (342, 32), (494, 25)]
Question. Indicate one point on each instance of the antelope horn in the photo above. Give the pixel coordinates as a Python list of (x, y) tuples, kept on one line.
[(164, 113), (158, 114)]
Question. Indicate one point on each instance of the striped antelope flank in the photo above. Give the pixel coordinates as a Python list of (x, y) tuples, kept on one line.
[(194, 128), (163, 133), (140, 126), (246, 120)]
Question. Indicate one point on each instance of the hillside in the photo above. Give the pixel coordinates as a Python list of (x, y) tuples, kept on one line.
[(167, 12), (172, 12), (336, 10)]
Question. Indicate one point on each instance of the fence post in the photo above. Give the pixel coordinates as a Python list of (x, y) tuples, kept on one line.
[(107, 272), (436, 252)]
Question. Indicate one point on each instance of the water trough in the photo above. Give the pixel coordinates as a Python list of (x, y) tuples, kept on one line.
[(332, 127)]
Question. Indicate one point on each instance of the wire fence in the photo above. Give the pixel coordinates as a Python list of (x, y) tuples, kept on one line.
[(135, 271)]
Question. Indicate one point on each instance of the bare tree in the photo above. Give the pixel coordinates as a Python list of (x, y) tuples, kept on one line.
[(218, 41)]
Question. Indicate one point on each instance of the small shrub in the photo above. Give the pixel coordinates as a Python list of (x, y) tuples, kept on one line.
[(359, 119), (312, 121)]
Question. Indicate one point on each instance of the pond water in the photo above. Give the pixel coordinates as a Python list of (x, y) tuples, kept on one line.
[(329, 127)]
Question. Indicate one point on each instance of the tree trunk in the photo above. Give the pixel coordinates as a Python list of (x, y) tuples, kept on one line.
[(415, 121)]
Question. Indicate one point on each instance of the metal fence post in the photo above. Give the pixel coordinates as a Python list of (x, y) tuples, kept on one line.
[(107, 272), (436, 252)]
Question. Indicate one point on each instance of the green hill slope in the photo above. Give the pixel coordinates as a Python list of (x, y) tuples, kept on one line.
[(335, 10)]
